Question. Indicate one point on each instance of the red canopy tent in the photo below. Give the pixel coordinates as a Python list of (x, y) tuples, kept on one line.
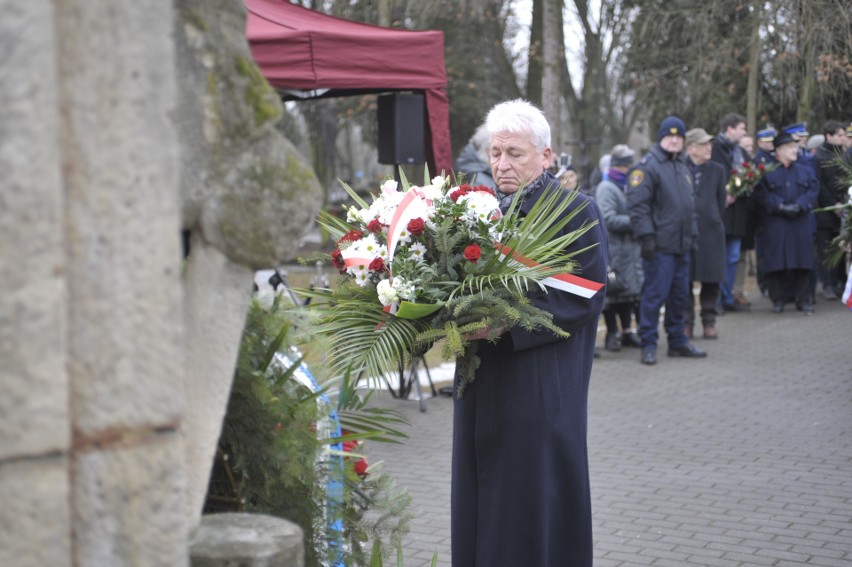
[(306, 54)]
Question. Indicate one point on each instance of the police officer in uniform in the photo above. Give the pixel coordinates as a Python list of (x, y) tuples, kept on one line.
[(765, 153), (661, 202)]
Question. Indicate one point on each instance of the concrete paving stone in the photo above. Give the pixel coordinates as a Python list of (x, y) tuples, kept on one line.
[(750, 559), (745, 454)]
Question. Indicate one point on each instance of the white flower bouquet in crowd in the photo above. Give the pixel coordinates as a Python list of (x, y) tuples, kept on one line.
[(438, 261)]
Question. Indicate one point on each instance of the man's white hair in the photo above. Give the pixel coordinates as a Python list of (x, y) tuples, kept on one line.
[(519, 117)]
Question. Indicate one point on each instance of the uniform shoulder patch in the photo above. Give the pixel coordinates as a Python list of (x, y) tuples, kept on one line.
[(637, 176)]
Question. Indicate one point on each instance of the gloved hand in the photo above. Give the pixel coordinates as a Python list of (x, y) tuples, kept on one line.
[(790, 211), (649, 247)]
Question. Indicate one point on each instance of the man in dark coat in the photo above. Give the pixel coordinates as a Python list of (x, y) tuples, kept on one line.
[(787, 195), (662, 209), (708, 258), (832, 191), (520, 487), (728, 153)]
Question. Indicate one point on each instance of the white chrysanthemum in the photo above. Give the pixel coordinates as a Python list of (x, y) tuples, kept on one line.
[(387, 293), (361, 277), (438, 181), (369, 246), (404, 237), (383, 252), (384, 206), (417, 251), (404, 289), (389, 186), (479, 205)]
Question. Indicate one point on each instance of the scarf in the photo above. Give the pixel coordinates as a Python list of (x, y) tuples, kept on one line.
[(532, 188), (617, 177)]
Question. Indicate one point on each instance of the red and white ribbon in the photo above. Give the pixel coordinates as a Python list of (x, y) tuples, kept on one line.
[(413, 205), (565, 282)]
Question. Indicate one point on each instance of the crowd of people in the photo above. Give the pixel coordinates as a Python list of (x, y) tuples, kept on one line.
[(688, 221)]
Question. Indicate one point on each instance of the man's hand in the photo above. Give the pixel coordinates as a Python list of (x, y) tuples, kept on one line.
[(485, 334), (790, 211), (649, 247), (730, 200)]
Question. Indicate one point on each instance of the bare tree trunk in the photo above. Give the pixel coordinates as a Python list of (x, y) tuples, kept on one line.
[(550, 84), (754, 69), (535, 59)]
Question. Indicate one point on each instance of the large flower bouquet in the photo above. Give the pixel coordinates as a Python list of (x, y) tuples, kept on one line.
[(440, 261), (743, 180)]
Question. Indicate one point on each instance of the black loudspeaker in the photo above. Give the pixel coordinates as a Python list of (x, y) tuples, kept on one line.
[(401, 134)]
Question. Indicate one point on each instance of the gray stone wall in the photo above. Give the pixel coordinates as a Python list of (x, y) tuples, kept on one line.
[(104, 334)]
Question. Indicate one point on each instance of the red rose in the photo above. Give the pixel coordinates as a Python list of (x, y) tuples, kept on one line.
[(337, 260), (351, 236), (375, 226), (377, 265), (733, 172), (472, 253), (416, 226), (761, 167), (484, 189), (750, 174), (746, 164), (360, 467)]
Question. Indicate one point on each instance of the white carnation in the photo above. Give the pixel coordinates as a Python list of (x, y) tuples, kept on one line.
[(480, 205), (404, 289), (387, 293)]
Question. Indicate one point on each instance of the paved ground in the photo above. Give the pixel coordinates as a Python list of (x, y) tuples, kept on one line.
[(741, 459)]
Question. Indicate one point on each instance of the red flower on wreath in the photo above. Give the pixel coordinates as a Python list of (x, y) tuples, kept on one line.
[(377, 265), (463, 190), (416, 226), (337, 260), (375, 226), (472, 253), (484, 189), (761, 167), (351, 236)]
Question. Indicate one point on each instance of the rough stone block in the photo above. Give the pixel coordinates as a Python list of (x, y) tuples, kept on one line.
[(246, 540), (34, 519), (129, 504), (34, 404)]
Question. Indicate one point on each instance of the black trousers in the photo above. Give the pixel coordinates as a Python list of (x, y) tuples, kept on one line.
[(618, 312), (708, 297), (784, 283)]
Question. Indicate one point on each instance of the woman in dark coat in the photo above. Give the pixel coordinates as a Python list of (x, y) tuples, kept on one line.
[(787, 195), (625, 254), (709, 258), (520, 479)]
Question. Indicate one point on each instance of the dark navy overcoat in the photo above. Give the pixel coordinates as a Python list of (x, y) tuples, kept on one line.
[(788, 244), (520, 485)]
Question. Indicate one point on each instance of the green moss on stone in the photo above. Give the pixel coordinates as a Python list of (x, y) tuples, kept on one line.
[(259, 95)]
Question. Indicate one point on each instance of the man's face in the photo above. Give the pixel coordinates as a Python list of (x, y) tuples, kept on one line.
[(747, 143), (765, 145), (801, 140), (699, 153), (515, 161), (787, 153), (672, 143), (838, 138), (736, 133)]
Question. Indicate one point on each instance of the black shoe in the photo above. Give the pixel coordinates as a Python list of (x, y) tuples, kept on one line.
[(808, 308), (734, 307), (688, 350), (631, 339), (778, 307), (649, 355), (613, 341)]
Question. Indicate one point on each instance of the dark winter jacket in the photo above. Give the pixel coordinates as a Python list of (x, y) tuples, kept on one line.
[(832, 184), (517, 502), (788, 243), (737, 214), (710, 258), (661, 201), (476, 171), (625, 258)]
